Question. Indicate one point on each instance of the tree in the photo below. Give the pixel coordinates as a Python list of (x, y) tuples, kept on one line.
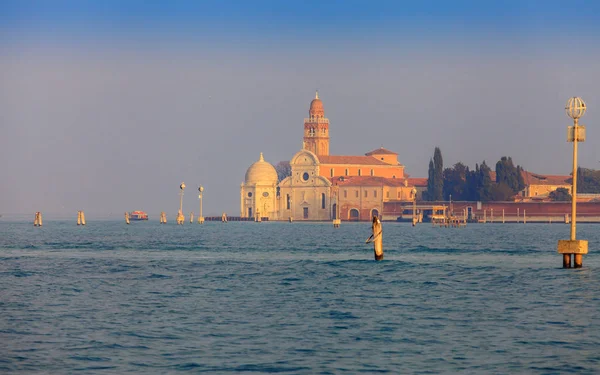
[(560, 195), (427, 195), (484, 183), (455, 182), (438, 168), (588, 180), (283, 169), (507, 173)]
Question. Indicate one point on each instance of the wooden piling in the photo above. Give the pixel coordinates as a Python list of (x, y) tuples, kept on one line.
[(78, 217), (566, 260), (127, 217), (224, 218), (191, 217), (377, 238), (37, 222), (577, 260)]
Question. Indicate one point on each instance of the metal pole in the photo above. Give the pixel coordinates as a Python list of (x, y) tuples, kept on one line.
[(574, 193)]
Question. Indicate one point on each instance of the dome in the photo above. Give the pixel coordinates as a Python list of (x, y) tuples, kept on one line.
[(316, 107), (261, 172)]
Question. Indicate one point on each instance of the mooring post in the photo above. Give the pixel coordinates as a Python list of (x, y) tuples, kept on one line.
[(377, 238)]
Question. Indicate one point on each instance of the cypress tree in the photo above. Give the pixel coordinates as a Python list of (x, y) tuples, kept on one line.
[(438, 169), (430, 181)]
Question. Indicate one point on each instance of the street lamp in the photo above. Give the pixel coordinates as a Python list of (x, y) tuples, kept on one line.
[(200, 218), (413, 194), (180, 217), (575, 109)]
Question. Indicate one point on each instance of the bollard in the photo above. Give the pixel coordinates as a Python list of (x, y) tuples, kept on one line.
[(377, 238), (180, 218)]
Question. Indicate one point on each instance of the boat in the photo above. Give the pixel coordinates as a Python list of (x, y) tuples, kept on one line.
[(138, 215)]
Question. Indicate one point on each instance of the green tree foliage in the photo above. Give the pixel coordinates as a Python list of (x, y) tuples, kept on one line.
[(435, 177), (455, 182), (283, 170), (484, 183), (428, 195), (560, 195), (508, 174), (588, 180), (501, 192)]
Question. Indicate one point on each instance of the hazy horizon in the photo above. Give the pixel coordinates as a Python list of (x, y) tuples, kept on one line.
[(108, 107)]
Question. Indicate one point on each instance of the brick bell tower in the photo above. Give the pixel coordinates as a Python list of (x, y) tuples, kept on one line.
[(316, 128)]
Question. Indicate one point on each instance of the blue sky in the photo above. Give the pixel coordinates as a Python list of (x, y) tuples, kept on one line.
[(201, 88)]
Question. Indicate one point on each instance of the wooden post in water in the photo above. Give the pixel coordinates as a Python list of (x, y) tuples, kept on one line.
[(163, 217), (224, 218), (126, 217), (191, 217), (82, 218), (503, 216), (524, 217), (377, 238), (37, 222)]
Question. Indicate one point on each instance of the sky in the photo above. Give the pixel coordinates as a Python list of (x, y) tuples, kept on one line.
[(108, 106)]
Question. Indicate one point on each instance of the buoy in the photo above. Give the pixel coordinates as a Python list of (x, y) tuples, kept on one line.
[(127, 217), (377, 238)]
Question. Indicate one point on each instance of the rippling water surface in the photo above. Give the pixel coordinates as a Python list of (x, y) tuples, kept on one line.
[(295, 298)]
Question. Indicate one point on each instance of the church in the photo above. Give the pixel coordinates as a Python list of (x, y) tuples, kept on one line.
[(324, 187)]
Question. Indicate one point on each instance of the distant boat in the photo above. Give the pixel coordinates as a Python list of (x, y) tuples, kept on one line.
[(138, 215)]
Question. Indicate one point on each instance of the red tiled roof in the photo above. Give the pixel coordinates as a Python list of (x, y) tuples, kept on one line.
[(417, 181), (360, 160), (539, 179), (381, 151), (366, 181)]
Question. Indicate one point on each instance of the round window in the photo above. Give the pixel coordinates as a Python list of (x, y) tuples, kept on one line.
[(305, 176), (250, 195), (265, 194)]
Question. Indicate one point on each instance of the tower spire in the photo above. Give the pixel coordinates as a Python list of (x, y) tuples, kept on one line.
[(317, 95)]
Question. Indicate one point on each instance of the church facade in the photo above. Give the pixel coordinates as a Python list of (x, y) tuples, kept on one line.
[(323, 186)]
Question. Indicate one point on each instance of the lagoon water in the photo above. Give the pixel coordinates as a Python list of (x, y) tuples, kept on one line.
[(295, 298)]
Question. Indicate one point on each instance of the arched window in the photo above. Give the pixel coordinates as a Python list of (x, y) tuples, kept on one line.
[(288, 201), (323, 200), (346, 171), (353, 215), (331, 172), (372, 172)]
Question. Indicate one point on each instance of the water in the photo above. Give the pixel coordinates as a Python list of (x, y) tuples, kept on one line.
[(295, 298)]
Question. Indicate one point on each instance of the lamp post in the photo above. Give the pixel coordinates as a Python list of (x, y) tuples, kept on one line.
[(200, 218), (180, 217), (575, 109), (413, 193)]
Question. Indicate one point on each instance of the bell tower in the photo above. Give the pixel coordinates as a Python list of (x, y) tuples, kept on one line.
[(316, 129)]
